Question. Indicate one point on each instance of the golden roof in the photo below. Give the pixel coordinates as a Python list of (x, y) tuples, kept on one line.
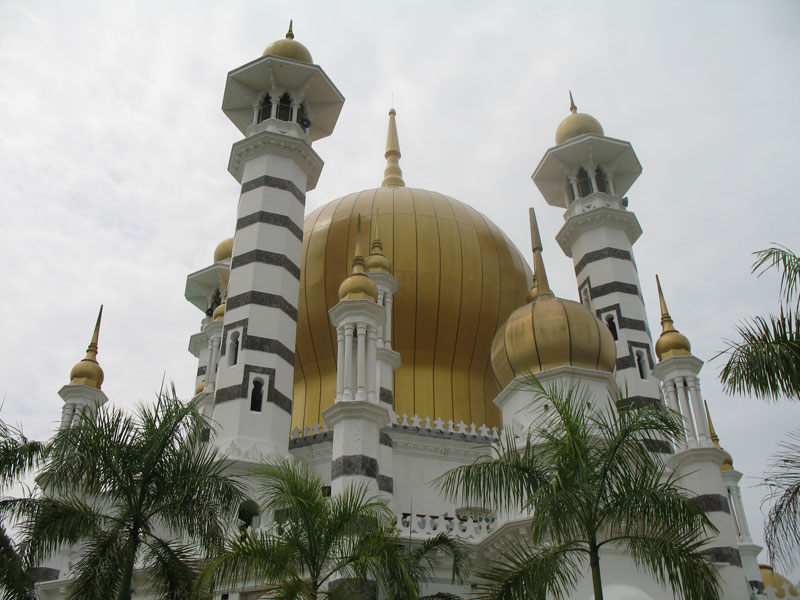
[(376, 261), (88, 371), (224, 250), (392, 175), (459, 278), (358, 286), (549, 332), (289, 48), (671, 342), (577, 124), (784, 587)]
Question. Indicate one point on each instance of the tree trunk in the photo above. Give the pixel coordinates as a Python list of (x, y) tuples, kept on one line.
[(126, 585), (594, 563)]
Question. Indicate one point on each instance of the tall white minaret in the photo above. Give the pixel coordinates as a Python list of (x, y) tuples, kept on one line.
[(281, 102), (82, 395), (588, 174), (697, 459)]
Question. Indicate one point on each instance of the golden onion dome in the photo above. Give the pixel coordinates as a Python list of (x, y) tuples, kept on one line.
[(289, 48), (577, 124), (671, 342), (224, 250), (781, 586), (219, 313), (201, 385), (377, 262), (549, 332), (357, 286), (88, 371)]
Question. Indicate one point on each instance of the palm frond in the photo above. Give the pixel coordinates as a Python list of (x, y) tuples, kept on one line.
[(171, 569), (782, 530), (14, 581), (787, 263)]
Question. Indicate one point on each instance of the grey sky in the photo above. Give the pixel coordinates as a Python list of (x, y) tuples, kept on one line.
[(113, 159)]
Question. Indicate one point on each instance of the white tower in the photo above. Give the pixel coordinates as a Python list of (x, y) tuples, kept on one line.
[(281, 102), (82, 395), (588, 174), (697, 459), (357, 416)]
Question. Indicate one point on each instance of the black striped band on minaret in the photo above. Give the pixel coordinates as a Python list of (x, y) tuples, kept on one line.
[(236, 392), (604, 289), (622, 321), (270, 218), (277, 183), (629, 362), (254, 342), (201, 370), (386, 484), (354, 464), (603, 253), (712, 503), (268, 258), (724, 554), (262, 299)]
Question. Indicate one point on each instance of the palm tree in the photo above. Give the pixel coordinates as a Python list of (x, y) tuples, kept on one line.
[(18, 456), (318, 546), (586, 481), (139, 489)]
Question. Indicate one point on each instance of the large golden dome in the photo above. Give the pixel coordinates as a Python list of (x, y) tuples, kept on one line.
[(459, 278)]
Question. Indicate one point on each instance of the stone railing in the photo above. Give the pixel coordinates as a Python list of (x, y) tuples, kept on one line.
[(469, 528)]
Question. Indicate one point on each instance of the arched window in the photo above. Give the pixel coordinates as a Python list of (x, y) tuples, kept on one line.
[(570, 192), (285, 108), (233, 349), (266, 109), (257, 395), (641, 363), (602, 181), (302, 117), (612, 326), (584, 183), (585, 297)]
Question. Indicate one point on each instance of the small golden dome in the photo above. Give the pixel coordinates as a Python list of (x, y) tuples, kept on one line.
[(289, 48), (577, 124), (671, 342), (224, 250), (784, 587), (88, 371), (549, 332), (200, 386), (358, 286), (219, 313)]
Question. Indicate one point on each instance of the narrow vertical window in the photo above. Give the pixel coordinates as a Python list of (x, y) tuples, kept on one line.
[(600, 178), (266, 109), (233, 349), (584, 183), (257, 395), (641, 363), (585, 297), (612, 326), (285, 108)]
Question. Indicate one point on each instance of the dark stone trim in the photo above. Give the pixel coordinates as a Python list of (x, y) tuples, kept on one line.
[(629, 362), (757, 585), (239, 392), (724, 554), (201, 370), (658, 446), (310, 440), (386, 484), (712, 503), (637, 401), (622, 322), (357, 589), (277, 183), (262, 299), (355, 464), (267, 258), (41, 574), (611, 287), (385, 439), (601, 254), (254, 342), (269, 218), (386, 396)]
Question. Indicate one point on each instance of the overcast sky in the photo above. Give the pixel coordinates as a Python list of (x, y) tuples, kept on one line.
[(114, 151)]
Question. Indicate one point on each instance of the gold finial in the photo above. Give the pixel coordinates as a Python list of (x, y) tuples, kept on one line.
[(392, 175), (289, 34), (376, 261), (541, 286), (358, 259), (358, 286), (671, 342), (88, 371), (712, 431), (572, 108)]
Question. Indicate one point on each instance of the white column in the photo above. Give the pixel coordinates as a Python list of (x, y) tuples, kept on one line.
[(213, 358), (340, 363), (686, 411), (361, 362), (672, 402), (381, 328), (738, 507), (387, 332), (700, 417), (371, 365), (348, 362)]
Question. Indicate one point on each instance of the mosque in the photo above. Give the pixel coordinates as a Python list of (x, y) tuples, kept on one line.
[(383, 337)]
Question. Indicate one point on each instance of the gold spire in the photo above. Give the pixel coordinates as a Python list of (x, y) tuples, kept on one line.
[(289, 34), (541, 287), (392, 175), (727, 462), (671, 342), (376, 261), (572, 108), (358, 286), (88, 371)]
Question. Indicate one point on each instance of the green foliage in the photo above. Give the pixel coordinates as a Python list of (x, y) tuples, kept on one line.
[(782, 531), (313, 540), (133, 489), (586, 480)]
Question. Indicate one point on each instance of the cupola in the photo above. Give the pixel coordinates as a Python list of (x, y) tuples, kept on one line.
[(88, 371), (224, 250), (671, 342), (577, 124), (358, 286), (289, 48)]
